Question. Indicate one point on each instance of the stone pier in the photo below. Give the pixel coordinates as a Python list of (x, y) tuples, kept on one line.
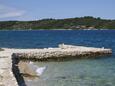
[(7, 77), (62, 52)]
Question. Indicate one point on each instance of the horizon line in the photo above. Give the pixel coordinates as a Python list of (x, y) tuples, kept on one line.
[(59, 18)]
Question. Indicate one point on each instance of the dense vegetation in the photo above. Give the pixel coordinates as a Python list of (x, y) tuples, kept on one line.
[(87, 22)]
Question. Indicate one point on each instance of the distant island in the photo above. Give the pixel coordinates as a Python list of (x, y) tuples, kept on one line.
[(87, 22)]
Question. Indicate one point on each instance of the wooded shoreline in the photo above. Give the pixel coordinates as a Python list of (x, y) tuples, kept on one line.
[(78, 23)]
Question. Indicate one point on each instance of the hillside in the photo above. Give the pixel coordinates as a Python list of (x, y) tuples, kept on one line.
[(86, 22)]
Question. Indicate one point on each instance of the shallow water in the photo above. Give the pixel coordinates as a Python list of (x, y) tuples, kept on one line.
[(96, 72), (79, 72)]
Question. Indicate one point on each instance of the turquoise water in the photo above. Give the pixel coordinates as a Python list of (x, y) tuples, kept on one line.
[(79, 72), (97, 72)]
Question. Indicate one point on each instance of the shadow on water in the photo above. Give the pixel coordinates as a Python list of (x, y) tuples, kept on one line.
[(66, 58), (16, 72)]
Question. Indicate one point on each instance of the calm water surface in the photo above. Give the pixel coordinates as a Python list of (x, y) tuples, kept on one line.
[(84, 72)]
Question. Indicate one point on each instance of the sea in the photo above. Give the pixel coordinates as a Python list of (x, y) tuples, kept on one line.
[(77, 72)]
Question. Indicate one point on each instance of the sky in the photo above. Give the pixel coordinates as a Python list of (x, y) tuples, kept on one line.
[(24, 10)]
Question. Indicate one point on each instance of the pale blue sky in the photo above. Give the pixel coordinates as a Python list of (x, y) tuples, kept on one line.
[(40, 9)]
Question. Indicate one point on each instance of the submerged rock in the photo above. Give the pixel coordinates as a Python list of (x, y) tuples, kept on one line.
[(29, 70), (1, 49)]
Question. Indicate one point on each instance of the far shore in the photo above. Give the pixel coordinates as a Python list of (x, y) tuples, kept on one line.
[(54, 29)]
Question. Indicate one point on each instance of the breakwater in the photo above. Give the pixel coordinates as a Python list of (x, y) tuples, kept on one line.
[(9, 58), (62, 52)]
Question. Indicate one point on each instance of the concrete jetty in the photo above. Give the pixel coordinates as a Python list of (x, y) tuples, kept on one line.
[(7, 77)]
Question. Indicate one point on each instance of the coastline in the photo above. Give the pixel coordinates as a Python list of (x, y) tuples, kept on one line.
[(57, 29)]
